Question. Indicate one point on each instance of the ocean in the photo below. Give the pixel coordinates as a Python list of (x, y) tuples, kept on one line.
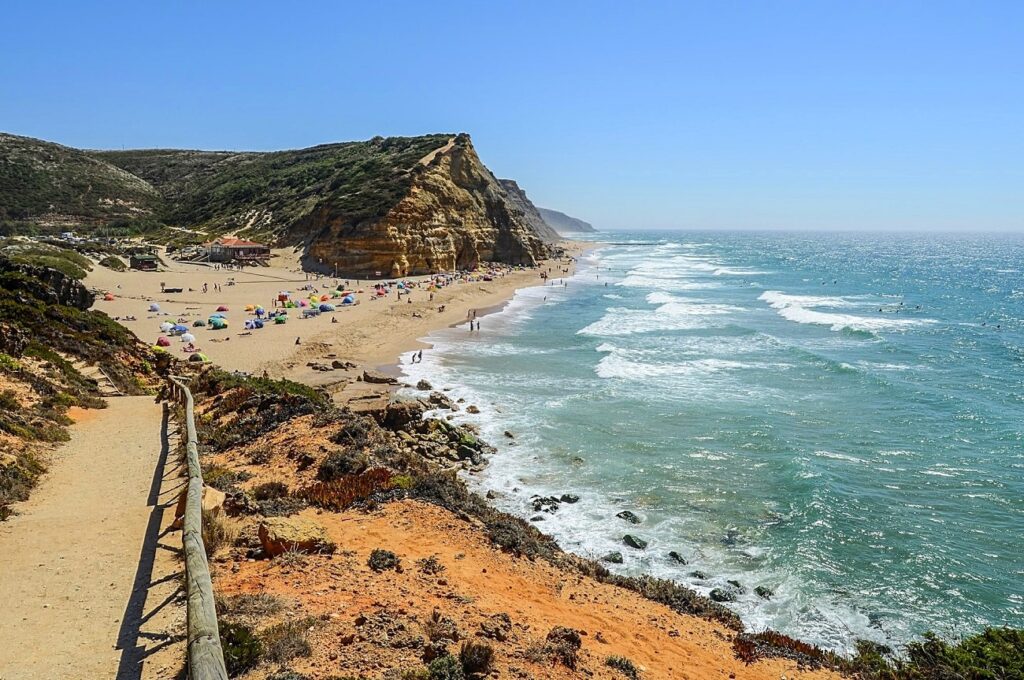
[(838, 418)]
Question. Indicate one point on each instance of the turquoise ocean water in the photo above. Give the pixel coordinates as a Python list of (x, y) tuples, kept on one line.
[(839, 418)]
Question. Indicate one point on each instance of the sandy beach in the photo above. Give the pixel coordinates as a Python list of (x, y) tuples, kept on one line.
[(373, 333)]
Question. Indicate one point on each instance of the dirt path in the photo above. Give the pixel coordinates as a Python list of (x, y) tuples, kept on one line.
[(87, 590)]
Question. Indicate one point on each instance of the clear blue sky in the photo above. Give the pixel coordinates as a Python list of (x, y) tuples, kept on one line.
[(813, 114)]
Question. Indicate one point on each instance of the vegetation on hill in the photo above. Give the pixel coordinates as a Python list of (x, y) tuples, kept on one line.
[(266, 194), (46, 183), (45, 329)]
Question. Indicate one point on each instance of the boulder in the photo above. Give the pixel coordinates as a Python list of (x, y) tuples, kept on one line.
[(424, 386), (342, 364), (613, 557), (440, 400), (497, 627), (628, 516), (569, 498), (721, 595), (699, 575), (401, 413), (634, 542), (676, 557), (378, 378), (283, 534), (764, 592), (213, 503), (472, 409)]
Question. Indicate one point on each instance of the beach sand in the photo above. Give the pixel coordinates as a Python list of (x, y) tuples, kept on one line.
[(372, 334)]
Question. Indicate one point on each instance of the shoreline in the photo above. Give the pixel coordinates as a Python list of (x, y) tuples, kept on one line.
[(372, 333)]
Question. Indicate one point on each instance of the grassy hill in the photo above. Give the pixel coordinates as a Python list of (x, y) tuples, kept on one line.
[(261, 194), (52, 185)]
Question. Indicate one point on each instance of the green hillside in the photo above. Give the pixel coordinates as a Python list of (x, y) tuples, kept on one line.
[(261, 194), (48, 184)]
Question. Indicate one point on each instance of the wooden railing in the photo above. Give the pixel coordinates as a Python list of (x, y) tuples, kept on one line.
[(205, 656)]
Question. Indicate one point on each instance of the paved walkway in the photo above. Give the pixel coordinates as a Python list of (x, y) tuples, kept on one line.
[(84, 579)]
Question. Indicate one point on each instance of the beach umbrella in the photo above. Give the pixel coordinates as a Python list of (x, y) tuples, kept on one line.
[(166, 326), (250, 308), (280, 319), (198, 323), (217, 323), (348, 300), (108, 297), (199, 357), (178, 329), (257, 323), (154, 307), (163, 341), (222, 308), (326, 308), (188, 337), (325, 298), (303, 303), (260, 311), (217, 315)]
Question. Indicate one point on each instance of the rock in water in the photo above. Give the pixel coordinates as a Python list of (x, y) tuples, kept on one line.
[(570, 498), (764, 592), (629, 517), (613, 557), (634, 542), (424, 385), (720, 595), (676, 557)]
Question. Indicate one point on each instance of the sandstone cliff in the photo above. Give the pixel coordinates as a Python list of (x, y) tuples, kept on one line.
[(454, 215), (530, 213)]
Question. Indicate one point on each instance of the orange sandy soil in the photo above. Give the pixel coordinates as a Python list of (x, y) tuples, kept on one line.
[(366, 618)]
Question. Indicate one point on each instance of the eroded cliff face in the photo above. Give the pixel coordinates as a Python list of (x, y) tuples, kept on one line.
[(530, 212), (454, 215)]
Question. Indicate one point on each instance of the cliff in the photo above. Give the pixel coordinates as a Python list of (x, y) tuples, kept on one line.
[(524, 205), (454, 215), (397, 205), (564, 224)]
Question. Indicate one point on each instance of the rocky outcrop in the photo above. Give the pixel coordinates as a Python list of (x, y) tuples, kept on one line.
[(293, 534), (518, 198), (454, 215), (49, 285), (564, 224)]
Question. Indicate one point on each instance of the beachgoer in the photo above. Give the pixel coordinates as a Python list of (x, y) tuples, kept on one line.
[(334, 319), (298, 341)]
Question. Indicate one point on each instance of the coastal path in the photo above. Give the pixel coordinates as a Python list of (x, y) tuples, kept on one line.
[(87, 589)]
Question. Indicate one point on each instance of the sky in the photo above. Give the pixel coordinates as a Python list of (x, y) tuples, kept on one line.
[(873, 115)]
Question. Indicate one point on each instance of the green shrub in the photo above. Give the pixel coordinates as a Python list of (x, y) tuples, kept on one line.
[(476, 658), (9, 363), (113, 263), (445, 668), (623, 665), (284, 641), (340, 464), (563, 644), (242, 649), (223, 478), (9, 401), (430, 565), (381, 560)]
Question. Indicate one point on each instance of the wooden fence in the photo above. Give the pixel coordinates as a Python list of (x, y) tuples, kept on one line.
[(205, 656)]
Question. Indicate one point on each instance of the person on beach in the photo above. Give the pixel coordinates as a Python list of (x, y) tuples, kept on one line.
[(298, 341), (419, 356)]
